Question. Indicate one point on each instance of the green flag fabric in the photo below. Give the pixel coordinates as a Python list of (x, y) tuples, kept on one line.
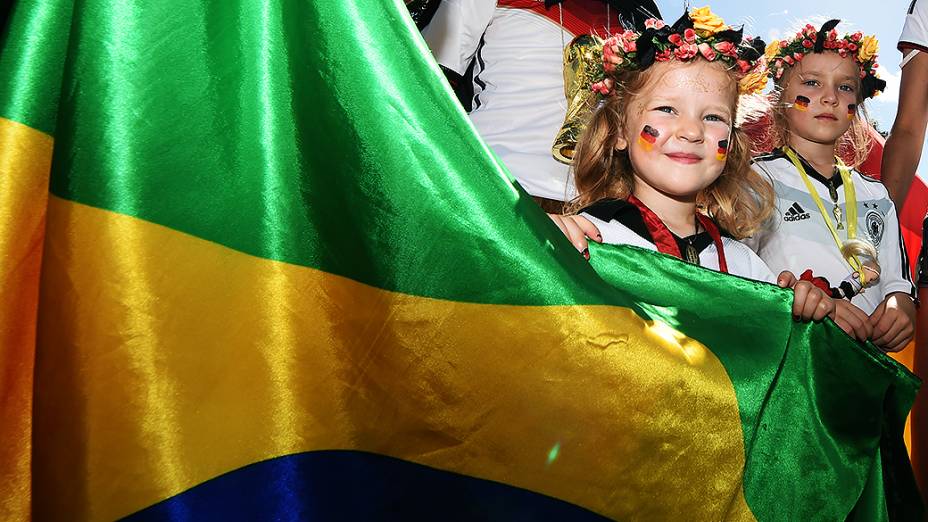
[(283, 277)]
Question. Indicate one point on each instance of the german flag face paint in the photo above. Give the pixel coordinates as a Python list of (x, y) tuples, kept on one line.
[(801, 103), (722, 151), (851, 111), (647, 137)]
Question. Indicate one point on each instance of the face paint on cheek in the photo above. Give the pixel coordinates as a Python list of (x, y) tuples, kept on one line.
[(647, 137), (851, 111), (722, 152), (801, 103)]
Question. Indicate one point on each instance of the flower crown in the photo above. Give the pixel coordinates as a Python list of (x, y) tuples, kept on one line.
[(699, 33), (786, 53)]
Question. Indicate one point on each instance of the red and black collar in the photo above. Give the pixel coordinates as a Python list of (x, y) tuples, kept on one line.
[(635, 216)]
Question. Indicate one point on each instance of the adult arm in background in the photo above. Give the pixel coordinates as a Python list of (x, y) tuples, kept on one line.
[(903, 148), (453, 35)]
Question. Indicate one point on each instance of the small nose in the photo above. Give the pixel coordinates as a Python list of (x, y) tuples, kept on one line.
[(690, 129), (830, 96)]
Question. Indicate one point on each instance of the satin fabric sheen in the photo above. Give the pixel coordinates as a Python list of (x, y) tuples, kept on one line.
[(25, 161), (315, 147), (230, 359), (32, 45)]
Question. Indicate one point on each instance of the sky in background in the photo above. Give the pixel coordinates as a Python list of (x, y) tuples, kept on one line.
[(775, 19)]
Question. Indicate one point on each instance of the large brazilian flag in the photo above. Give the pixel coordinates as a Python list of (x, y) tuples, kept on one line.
[(256, 264)]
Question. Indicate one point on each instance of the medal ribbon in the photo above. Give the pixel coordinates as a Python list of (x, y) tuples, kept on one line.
[(664, 240), (850, 202)]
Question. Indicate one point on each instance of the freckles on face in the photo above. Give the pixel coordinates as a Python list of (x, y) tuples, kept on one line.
[(647, 137)]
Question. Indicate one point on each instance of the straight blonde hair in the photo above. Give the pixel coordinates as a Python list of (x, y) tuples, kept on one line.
[(852, 147)]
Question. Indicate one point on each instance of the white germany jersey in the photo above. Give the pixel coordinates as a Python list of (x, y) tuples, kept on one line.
[(620, 223), (797, 239), (915, 31), (519, 104)]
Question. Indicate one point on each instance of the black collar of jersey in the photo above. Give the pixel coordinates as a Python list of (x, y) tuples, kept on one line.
[(627, 214), (832, 183)]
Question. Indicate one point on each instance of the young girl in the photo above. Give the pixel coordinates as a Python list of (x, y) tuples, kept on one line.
[(832, 224), (663, 152)]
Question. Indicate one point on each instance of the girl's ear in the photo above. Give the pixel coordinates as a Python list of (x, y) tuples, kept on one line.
[(620, 142)]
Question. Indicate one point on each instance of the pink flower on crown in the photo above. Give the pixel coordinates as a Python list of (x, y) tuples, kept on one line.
[(706, 51), (726, 48), (617, 61), (783, 44), (833, 34), (807, 43), (789, 60), (654, 23), (852, 47), (609, 53), (744, 66), (604, 87), (608, 49), (828, 44), (797, 56), (662, 56), (686, 51), (810, 30), (612, 42), (857, 36), (689, 35), (675, 39), (629, 46), (779, 73), (842, 53), (612, 58)]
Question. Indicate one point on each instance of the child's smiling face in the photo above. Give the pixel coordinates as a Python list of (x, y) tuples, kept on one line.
[(677, 128), (823, 91)]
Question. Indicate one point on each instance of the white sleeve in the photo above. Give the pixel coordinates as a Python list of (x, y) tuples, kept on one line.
[(456, 29), (894, 262), (762, 272), (915, 31), (758, 269)]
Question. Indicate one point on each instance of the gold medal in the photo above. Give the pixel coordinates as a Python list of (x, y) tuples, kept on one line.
[(691, 255)]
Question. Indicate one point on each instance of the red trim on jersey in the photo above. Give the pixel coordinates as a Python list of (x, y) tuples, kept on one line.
[(713, 231), (580, 16), (664, 240)]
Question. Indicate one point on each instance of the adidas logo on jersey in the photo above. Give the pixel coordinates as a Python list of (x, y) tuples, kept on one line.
[(796, 213)]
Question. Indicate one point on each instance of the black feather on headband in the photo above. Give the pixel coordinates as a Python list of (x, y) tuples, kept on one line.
[(823, 35), (870, 84), (682, 24)]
